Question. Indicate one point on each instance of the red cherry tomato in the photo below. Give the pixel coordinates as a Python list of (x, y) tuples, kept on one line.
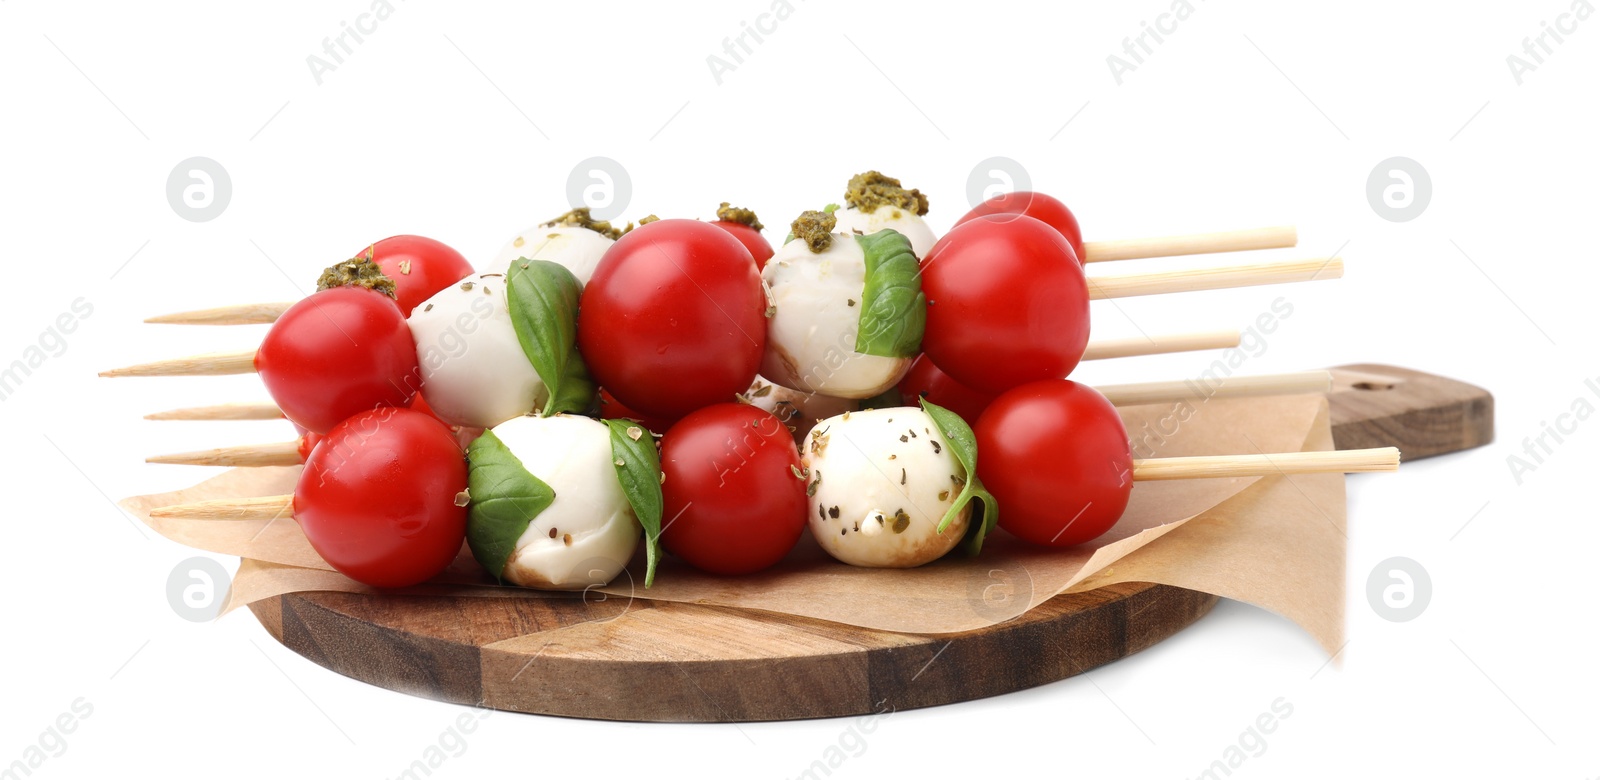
[(377, 498), (419, 267), (674, 318), (1007, 303), (925, 380), (1038, 205), (612, 409), (309, 442), (335, 353), (733, 502), (1056, 457), (751, 238), (464, 434), (420, 404)]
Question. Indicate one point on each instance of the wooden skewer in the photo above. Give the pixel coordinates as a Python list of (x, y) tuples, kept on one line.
[(288, 453), (1161, 345), (1207, 466), (285, 453), (237, 411), (244, 363), (1097, 350), (213, 364), (1231, 387), (1193, 244), (1220, 277), (240, 314), (1202, 467), (263, 508)]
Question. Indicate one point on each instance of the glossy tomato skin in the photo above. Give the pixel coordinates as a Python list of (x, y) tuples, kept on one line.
[(335, 353), (377, 498), (752, 239), (925, 380), (465, 434), (1056, 457), (733, 502), (1007, 303), (1038, 205), (674, 318), (612, 409), (419, 267), (309, 442), (420, 404)]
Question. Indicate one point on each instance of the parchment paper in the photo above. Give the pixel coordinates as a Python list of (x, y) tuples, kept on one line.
[(1276, 542)]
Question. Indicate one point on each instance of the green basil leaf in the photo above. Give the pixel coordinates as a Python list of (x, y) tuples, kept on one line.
[(979, 526), (577, 393), (958, 437), (543, 300), (633, 452), (504, 497), (893, 308)]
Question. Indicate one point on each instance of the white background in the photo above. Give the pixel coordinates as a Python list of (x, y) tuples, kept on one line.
[(463, 123)]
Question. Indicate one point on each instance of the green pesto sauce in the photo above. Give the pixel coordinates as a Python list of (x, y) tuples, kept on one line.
[(816, 229), (580, 218), (727, 213), (867, 191), (357, 272)]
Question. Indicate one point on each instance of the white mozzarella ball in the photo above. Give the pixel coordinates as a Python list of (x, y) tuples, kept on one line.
[(474, 372), (576, 248), (852, 220), (811, 338), (884, 479), (797, 409), (589, 533)]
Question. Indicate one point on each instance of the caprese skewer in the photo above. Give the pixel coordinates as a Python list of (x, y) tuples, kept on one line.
[(1057, 459), (556, 503), (383, 502), (1049, 462), (779, 396), (997, 302), (488, 348), (800, 412)]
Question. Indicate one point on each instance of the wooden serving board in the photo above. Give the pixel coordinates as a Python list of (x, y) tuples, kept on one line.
[(663, 661)]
